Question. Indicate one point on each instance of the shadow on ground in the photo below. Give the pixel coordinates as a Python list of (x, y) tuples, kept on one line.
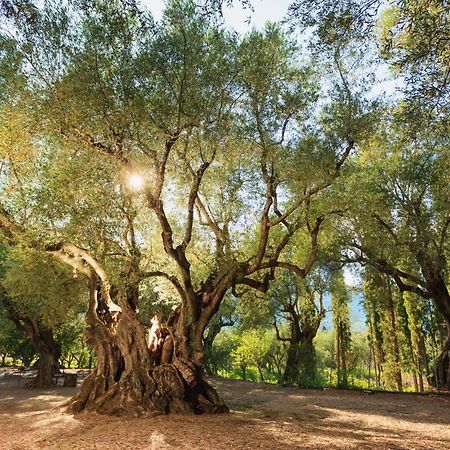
[(262, 417)]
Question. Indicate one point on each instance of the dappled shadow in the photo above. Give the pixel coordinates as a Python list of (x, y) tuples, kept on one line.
[(16, 399), (262, 417), (348, 419), (431, 409), (360, 436)]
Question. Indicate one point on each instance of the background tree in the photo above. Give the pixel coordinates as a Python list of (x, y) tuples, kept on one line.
[(379, 293), (408, 215), (300, 303), (401, 29), (14, 344), (341, 327), (39, 295), (253, 350)]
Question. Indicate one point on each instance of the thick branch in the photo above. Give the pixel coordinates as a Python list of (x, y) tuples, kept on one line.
[(389, 269), (390, 230), (171, 278), (193, 196), (160, 176), (264, 234), (83, 261), (104, 149), (262, 286)]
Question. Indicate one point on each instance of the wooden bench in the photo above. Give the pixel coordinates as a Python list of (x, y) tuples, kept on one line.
[(58, 376), (69, 379)]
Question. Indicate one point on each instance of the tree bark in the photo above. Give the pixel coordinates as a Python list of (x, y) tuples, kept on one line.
[(440, 377), (308, 369), (301, 363), (48, 363), (292, 369), (300, 366), (441, 370), (43, 341), (128, 380)]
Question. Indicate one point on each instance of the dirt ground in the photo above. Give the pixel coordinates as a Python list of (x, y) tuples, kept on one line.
[(262, 417)]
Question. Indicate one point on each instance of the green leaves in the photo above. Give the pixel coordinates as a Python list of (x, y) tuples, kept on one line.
[(41, 288)]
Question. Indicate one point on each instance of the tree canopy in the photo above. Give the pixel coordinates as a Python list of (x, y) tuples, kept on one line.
[(180, 170)]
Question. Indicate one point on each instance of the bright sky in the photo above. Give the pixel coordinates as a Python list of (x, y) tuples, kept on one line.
[(236, 16)]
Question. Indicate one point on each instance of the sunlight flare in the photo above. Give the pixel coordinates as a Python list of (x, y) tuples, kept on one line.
[(136, 182)]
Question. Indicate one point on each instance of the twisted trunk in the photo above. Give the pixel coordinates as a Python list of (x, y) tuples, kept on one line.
[(441, 370), (42, 339), (292, 368), (49, 354), (308, 364), (128, 380)]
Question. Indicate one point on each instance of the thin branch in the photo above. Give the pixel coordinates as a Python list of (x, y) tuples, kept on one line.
[(388, 228), (277, 332), (193, 195), (209, 220), (104, 149)]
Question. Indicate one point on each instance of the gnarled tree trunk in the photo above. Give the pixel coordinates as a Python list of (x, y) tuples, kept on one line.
[(128, 380), (441, 369), (49, 354), (43, 341), (301, 363), (292, 369)]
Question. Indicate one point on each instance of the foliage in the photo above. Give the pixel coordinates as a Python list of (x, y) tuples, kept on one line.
[(220, 181), (14, 343), (74, 351), (40, 287)]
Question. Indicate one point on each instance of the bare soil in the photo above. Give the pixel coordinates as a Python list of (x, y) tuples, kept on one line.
[(262, 417)]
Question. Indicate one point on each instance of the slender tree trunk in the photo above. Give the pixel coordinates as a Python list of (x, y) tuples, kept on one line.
[(420, 378), (243, 370), (416, 385), (396, 348), (261, 376)]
